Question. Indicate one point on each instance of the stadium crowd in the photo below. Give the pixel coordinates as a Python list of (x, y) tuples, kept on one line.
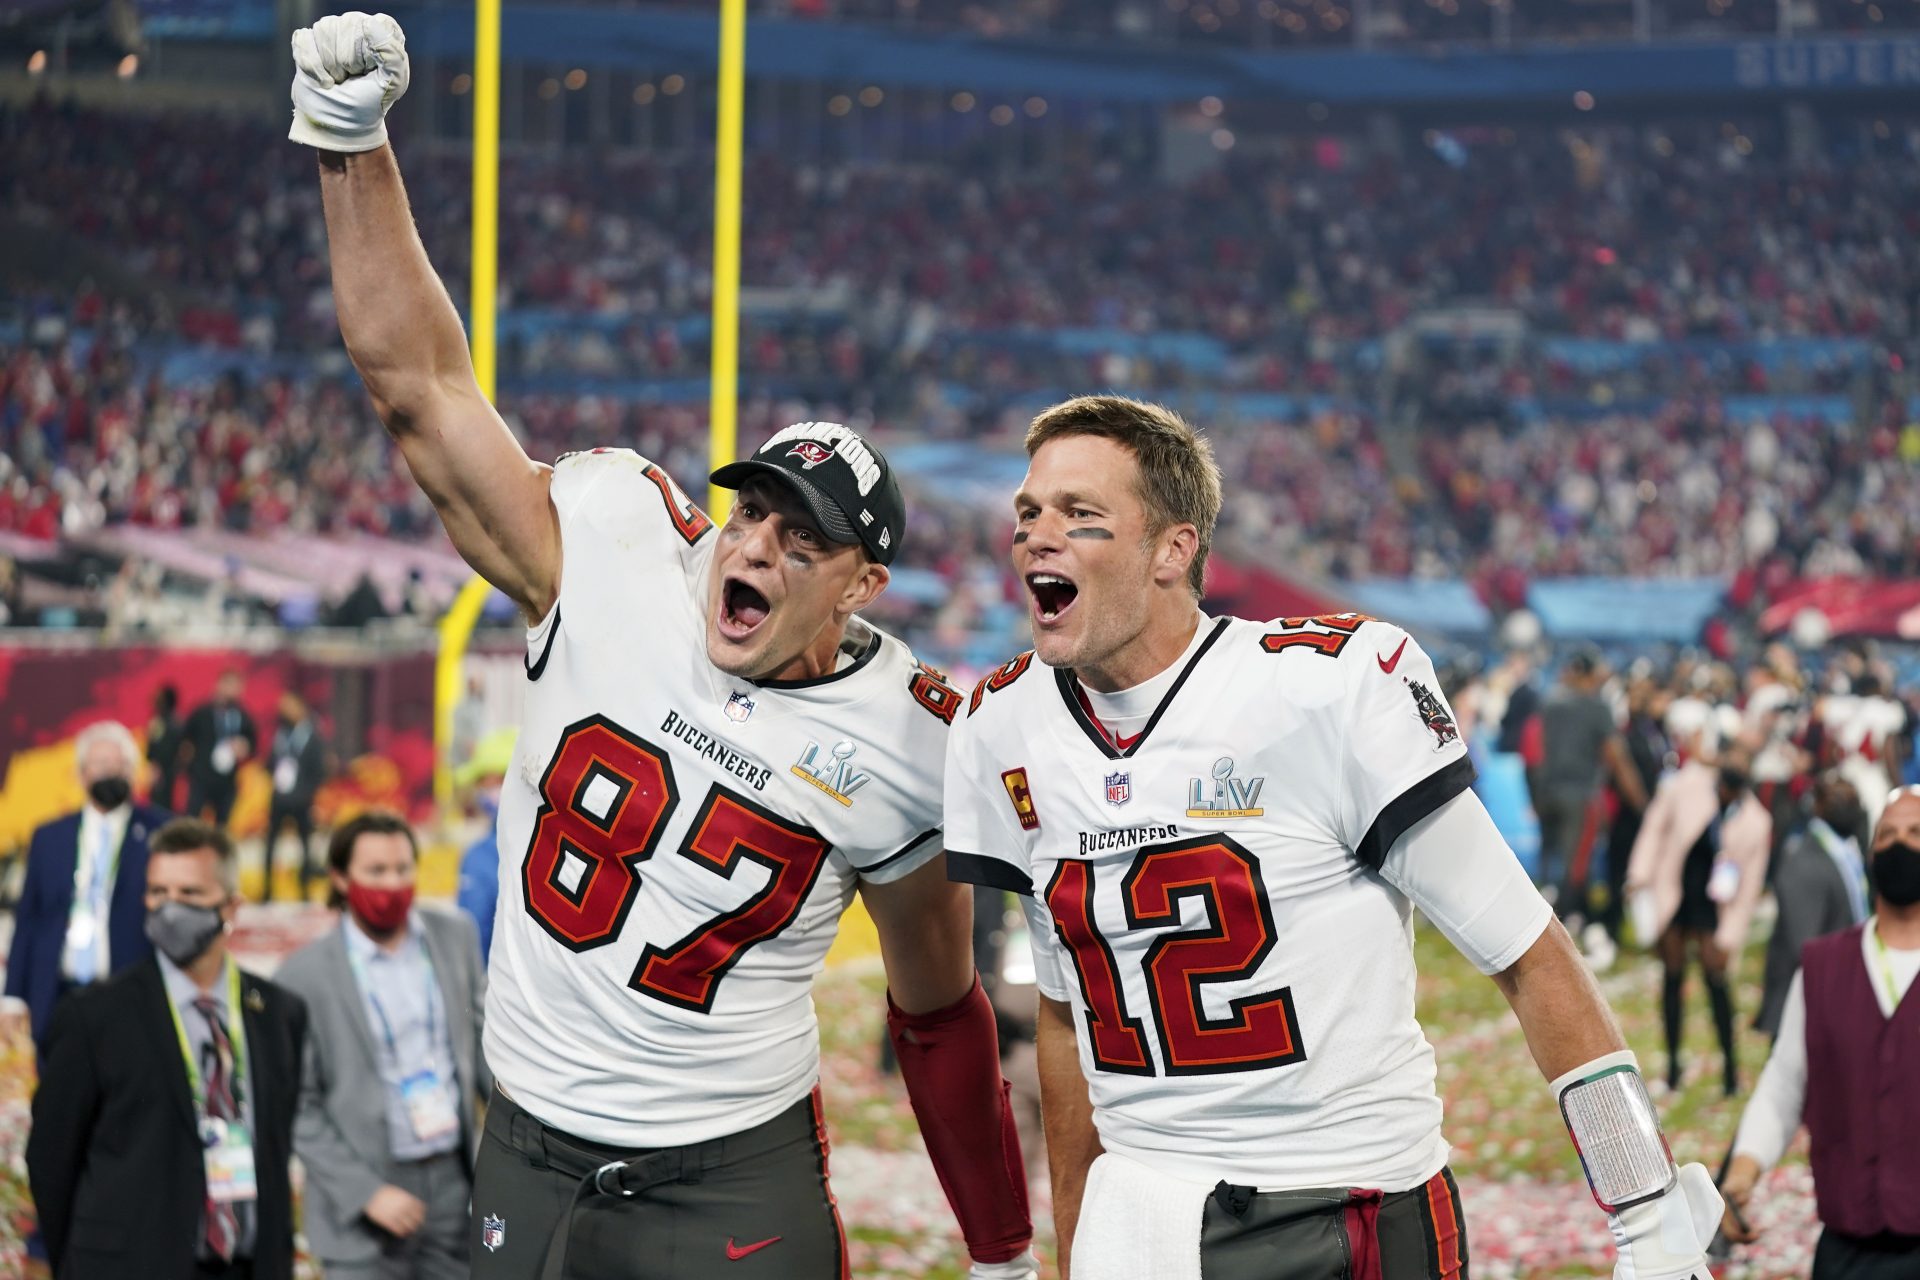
[(1703, 229), (1300, 22), (934, 320)]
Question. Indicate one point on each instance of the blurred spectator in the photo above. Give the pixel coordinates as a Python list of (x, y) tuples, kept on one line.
[(1647, 749), (297, 766), (80, 919), (1821, 888), (388, 1138), (484, 772), (1867, 736), (13, 610), (121, 1186), (469, 714), (1580, 745), (1700, 866), (359, 606), (1844, 1062), (166, 735), (221, 737)]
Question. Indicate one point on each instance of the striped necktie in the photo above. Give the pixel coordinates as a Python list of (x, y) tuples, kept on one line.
[(223, 1225)]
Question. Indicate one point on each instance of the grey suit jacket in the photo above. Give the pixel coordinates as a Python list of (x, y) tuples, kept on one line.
[(1813, 903), (340, 1131)]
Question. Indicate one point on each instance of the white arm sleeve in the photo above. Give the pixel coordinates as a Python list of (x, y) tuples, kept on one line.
[(1454, 865), (1773, 1113), (1049, 966)]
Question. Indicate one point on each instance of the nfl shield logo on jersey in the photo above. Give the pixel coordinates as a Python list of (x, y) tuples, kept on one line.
[(1119, 788), (493, 1232), (739, 707)]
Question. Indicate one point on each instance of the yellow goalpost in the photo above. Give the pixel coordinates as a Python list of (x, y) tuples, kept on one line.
[(456, 627)]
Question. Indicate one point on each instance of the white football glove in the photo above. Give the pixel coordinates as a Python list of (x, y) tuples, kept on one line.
[(348, 69), (1667, 1239), (1024, 1267)]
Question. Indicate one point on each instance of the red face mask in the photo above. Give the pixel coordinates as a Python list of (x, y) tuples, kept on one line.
[(382, 910)]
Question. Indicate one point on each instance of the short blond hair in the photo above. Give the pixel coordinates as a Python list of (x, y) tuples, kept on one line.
[(1179, 480)]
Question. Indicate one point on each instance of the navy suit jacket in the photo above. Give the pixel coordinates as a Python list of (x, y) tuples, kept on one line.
[(46, 902)]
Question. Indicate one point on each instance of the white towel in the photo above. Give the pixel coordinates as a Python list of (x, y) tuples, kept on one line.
[(1136, 1224)]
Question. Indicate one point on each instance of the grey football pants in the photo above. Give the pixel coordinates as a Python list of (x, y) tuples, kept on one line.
[(750, 1206), (1335, 1234)]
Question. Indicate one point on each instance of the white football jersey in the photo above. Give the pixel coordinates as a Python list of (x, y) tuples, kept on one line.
[(677, 845), (1207, 899)]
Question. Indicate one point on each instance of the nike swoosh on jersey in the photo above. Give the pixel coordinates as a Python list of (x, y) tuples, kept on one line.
[(1388, 664), (735, 1252)]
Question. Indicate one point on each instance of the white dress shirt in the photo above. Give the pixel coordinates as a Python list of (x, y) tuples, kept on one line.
[(94, 870)]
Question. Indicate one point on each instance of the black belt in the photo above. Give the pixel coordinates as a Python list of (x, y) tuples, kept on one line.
[(611, 1171)]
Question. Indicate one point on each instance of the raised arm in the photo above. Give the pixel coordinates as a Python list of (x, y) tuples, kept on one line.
[(401, 328)]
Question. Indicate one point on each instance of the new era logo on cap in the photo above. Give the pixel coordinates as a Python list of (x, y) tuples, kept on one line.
[(844, 481)]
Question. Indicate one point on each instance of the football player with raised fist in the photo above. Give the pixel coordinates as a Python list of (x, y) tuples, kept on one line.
[(716, 754), (1218, 828)]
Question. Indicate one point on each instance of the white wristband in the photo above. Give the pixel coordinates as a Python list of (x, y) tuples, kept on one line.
[(1615, 1131)]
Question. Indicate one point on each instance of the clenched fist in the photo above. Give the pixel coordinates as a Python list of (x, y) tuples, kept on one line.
[(348, 70)]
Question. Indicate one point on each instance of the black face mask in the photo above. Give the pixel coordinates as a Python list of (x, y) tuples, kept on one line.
[(1846, 819), (1896, 875), (109, 793)]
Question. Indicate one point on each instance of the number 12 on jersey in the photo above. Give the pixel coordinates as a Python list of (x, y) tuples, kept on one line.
[(1257, 1031)]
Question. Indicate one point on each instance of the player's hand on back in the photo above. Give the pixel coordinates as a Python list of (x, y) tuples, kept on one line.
[(1653, 1237), (348, 69)]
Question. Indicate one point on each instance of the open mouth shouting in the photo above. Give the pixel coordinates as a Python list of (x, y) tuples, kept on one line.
[(1053, 596), (742, 609)]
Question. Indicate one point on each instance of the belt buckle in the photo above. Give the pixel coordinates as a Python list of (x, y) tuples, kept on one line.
[(615, 1167)]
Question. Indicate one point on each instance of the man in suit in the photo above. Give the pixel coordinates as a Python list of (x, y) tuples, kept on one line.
[(80, 917), (386, 1126), (221, 737), (163, 1125), (297, 763), (1821, 886)]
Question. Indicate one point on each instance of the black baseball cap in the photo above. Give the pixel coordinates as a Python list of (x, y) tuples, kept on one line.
[(844, 481)]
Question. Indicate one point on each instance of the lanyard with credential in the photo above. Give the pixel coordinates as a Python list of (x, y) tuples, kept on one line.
[(379, 1011), (1886, 967), (236, 1036)]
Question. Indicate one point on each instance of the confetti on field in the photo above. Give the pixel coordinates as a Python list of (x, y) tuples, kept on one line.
[(1529, 1214)]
